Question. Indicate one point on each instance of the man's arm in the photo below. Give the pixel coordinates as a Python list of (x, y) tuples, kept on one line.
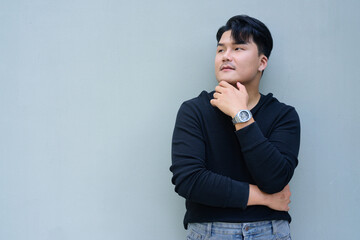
[(195, 182), (271, 161), (191, 177)]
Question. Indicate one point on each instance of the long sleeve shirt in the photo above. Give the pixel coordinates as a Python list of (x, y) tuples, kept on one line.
[(213, 165)]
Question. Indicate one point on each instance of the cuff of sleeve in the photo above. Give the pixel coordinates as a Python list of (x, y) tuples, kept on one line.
[(250, 136), (239, 195)]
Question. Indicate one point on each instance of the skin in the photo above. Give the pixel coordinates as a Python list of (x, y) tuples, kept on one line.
[(278, 201), (238, 69)]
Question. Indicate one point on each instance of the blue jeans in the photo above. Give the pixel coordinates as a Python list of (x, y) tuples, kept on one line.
[(266, 230)]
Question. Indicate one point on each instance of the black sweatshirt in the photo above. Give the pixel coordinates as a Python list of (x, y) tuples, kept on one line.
[(213, 165)]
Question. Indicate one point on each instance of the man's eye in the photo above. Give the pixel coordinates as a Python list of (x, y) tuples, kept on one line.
[(220, 51), (238, 49)]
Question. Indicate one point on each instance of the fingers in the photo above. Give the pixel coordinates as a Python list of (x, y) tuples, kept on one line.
[(224, 84), (240, 86), (287, 190), (216, 95), (213, 102), (219, 89)]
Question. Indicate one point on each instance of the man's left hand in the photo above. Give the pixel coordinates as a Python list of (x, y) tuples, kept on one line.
[(229, 99)]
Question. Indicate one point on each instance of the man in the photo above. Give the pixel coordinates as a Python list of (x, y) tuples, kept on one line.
[(234, 150)]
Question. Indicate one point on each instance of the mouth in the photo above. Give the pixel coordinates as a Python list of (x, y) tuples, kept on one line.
[(227, 68)]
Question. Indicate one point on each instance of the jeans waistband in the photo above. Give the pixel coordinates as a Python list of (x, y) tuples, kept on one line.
[(207, 229)]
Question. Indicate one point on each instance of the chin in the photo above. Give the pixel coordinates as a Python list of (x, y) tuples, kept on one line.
[(231, 81)]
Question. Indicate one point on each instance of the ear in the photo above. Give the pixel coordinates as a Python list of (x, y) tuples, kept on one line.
[(262, 62)]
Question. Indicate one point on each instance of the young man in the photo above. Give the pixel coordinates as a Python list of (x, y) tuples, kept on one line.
[(234, 150)]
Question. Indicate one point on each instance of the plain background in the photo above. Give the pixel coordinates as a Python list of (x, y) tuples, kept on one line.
[(89, 91)]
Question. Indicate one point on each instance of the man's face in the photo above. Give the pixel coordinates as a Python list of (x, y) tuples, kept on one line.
[(238, 62)]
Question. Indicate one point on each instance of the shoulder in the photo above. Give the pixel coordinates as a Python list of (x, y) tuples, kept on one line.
[(197, 104), (192, 112), (274, 110), (273, 104), (203, 98)]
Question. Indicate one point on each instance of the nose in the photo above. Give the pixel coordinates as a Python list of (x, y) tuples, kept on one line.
[(227, 56)]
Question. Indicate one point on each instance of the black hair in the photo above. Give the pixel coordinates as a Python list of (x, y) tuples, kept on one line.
[(244, 28)]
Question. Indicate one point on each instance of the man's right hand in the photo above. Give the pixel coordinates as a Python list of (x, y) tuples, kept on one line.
[(278, 201)]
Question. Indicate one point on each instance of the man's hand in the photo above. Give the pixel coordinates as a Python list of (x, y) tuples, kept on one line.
[(229, 99), (278, 201)]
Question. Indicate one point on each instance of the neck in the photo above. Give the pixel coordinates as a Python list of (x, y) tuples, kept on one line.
[(253, 91), (254, 97)]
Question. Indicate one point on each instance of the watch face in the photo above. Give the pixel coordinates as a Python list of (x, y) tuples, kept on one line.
[(244, 115)]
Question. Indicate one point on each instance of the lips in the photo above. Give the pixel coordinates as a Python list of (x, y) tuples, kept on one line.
[(227, 67)]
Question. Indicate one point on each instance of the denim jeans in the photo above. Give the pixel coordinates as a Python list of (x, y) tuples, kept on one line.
[(266, 230)]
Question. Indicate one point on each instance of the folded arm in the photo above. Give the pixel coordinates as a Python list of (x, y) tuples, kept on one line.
[(271, 161), (196, 183), (191, 178)]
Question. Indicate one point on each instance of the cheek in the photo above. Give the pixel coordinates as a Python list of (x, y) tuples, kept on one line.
[(250, 63), (217, 61)]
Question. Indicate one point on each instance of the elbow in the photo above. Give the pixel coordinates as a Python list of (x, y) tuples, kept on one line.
[(277, 183), (185, 176), (184, 183), (181, 189)]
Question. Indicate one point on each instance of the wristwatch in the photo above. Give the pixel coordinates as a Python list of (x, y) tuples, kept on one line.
[(242, 116)]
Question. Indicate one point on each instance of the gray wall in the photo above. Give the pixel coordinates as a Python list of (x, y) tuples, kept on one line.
[(89, 92)]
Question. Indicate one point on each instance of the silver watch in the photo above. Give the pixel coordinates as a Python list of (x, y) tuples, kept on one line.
[(242, 116)]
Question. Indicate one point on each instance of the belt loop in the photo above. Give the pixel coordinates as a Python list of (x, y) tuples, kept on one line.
[(274, 227), (208, 230)]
